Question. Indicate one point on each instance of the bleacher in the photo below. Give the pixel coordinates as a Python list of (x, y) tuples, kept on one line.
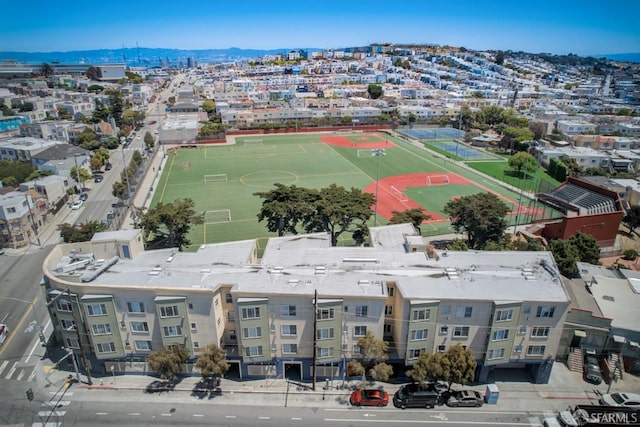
[(585, 201)]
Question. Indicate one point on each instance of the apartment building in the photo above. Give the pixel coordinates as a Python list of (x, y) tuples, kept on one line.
[(20, 217), (304, 297)]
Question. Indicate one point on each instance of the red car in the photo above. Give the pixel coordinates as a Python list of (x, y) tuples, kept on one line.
[(374, 397)]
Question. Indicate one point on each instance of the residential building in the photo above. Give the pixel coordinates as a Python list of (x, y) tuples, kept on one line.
[(20, 218), (305, 300)]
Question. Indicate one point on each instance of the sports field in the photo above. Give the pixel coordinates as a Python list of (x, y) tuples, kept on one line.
[(221, 179)]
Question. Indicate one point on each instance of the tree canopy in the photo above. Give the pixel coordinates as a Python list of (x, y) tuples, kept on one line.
[(168, 362), (375, 91), (212, 361), (415, 216), (632, 218), (458, 365), (481, 216), (169, 222), (15, 171), (427, 368), (334, 210), (523, 162), (373, 356), (80, 233)]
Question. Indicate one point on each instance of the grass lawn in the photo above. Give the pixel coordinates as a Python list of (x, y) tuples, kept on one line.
[(503, 172)]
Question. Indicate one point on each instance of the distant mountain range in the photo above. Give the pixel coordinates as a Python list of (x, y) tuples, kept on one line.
[(178, 57), (140, 56)]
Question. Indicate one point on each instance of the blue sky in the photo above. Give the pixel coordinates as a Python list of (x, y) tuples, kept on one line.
[(560, 26)]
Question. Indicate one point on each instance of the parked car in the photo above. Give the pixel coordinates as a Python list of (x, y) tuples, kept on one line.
[(97, 178), (416, 396), (107, 167), (83, 196), (630, 400), (372, 397), (465, 398), (592, 371), (77, 204), (4, 333)]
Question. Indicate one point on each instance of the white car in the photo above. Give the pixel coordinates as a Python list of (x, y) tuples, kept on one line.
[(77, 204), (629, 400)]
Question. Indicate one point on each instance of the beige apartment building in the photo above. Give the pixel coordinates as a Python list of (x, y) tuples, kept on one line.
[(119, 302)]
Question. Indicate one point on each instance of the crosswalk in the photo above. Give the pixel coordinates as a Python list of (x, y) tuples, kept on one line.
[(14, 371)]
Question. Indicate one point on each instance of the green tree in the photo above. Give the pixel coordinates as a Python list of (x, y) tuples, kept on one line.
[(572, 166), (587, 247), (373, 356), (46, 70), (415, 216), (88, 140), (632, 218), (119, 189), (92, 73), (116, 106), (513, 137), (458, 365), (427, 368), (64, 114), (481, 216), (100, 113), (500, 57), (95, 89), (374, 91), (285, 207), (566, 255), (19, 170), (458, 245), (168, 362), (212, 361), (103, 154), (339, 211), (96, 163), (80, 233), (169, 222), (134, 78), (523, 161), (80, 174), (149, 140), (209, 106), (7, 111)]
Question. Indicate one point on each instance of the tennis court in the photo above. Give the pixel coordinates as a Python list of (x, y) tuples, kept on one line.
[(461, 150), (433, 133), (222, 179)]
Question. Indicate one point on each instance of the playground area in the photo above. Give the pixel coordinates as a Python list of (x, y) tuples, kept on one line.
[(222, 180)]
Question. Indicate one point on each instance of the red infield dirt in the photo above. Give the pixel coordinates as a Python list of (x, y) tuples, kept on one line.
[(343, 141)]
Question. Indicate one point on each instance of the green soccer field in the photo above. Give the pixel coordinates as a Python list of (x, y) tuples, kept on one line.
[(234, 172)]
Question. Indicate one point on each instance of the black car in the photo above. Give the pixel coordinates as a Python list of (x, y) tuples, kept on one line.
[(592, 371), (83, 196), (107, 167), (97, 178)]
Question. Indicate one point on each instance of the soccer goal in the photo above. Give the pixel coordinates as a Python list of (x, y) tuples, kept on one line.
[(216, 177), (437, 179), (399, 195), (253, 143), (216, 217), (365, 153)]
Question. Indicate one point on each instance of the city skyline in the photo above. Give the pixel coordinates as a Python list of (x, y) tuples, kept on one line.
[(580, 27)]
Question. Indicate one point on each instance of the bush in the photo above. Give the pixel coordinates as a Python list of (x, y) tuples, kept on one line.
[(630, 254)]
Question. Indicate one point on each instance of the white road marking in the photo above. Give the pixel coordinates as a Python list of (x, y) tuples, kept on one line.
[(20, 375), (229, 416), (61, 403), (134, 413), (11, 371), (264, 418), (198, 415), (165, 415), (296, 419), (33, 375), (70, 393), (4, 365), (465, 423), (102, 413), (45, 414)]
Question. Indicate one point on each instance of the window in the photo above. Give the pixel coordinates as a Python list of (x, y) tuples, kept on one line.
[(107, 347), (388, 310), (139, 327), (517, 349), (540, 331), (390, 291), (325, 334), (194, 327), (463, 311), (324, 352), (423, 314), (545, 311), (527, 310), (460, 331), (143, 345), (442, 348), (288, 310), (169, 311), (196, 344), (289, 348), (361, 310), (444, 330), (388, 328), (64, 305), (102, 329), (191, 304), (252, 332), (496, 353), (228, 298), (231, 316), (232, 335), (503, 315), (72, 343), (172, 331), (251, 313), (536, 350), (135, 307), (68, 325), (97, 309), (446, 309), (325, 314), (359, 331), (500, 335), (290, 330), (419, 335), (414, 353), (253, 351), (522, 330)]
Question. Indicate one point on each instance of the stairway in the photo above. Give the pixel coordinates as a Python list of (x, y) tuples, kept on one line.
[(575, 359), (611, 363)]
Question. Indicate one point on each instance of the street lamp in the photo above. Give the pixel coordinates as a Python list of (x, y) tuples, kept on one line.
[(377, 152)]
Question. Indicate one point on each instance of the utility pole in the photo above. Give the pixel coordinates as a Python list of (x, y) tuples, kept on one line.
[(315, 339), (33, 221), (85, 364)]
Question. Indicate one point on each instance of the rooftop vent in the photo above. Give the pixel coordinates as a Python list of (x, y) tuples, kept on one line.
[(363, 282), (294, 282), (321, 269)]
